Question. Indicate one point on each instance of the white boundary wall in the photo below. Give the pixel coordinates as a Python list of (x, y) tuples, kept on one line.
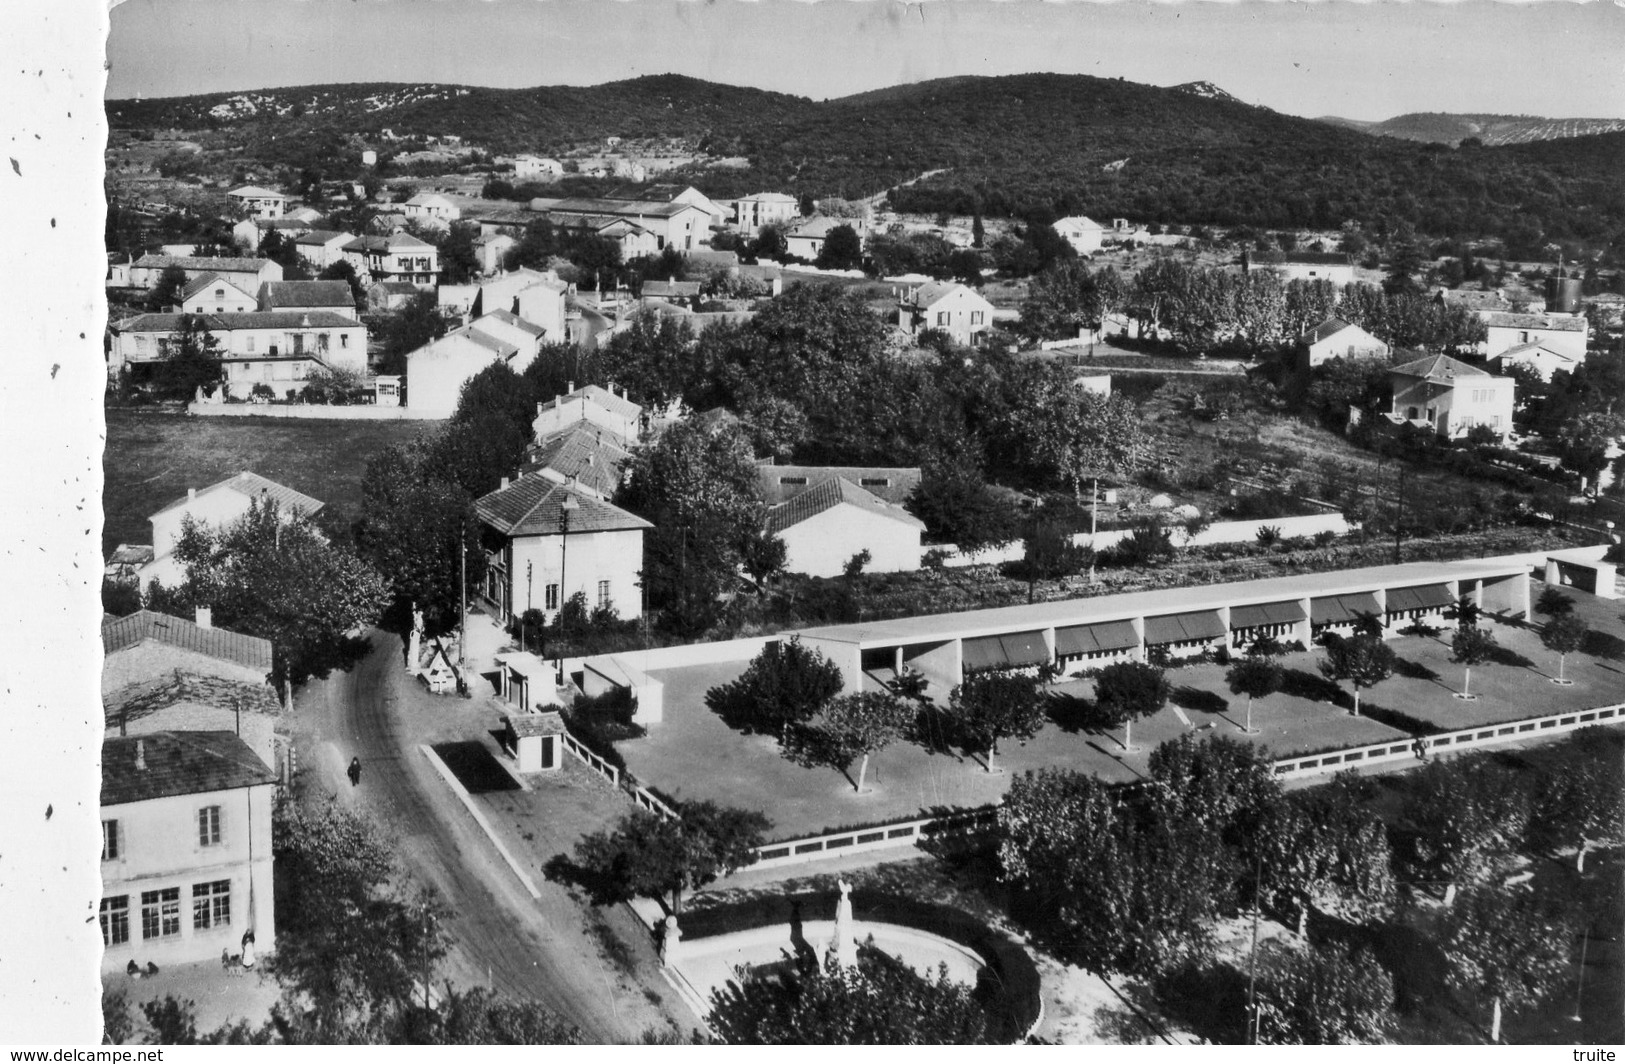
[(311, 411), (1218, 532)]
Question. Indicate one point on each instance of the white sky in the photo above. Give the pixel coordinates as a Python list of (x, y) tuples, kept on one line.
[(1357, 60)]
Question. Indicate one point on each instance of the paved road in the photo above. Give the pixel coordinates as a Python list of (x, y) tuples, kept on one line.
[(524, 947)]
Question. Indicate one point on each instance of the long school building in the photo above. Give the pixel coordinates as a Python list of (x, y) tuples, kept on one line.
[(1081, 634)]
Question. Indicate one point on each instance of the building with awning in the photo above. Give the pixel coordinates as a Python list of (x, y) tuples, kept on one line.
[(1414, 603), (1084, 633)]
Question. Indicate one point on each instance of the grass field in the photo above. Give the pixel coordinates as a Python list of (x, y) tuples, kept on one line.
[(151, 459)]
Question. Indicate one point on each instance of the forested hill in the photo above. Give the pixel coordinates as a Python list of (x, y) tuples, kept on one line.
[(1490, 129), (1035, 144)]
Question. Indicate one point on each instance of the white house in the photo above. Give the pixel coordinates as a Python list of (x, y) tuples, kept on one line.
[(1084, 235), (322, 247), (749, 214), (246, 273), (603, 407), (1543, 358), (829, 522), (256, 202), (431, 208), (531, 166), (1451, 397), (589, 456), (281, 349), (807, 240), (489, 250), (1334, 266), (956, 309), (217, 506), (207, 293), (1565, 334), (1335, 338), (679, 225), (186, 849), (437, 371), (538, 296), (526, 337), (397, 257), (333, 297), (250, 232), (549, 542)]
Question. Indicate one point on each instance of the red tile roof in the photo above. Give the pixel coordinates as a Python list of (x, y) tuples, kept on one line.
[(533, 505), (254, 486), (121, 633), (166, 764), (828, 495)]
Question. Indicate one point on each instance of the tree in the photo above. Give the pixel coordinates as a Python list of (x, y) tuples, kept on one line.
[(1078, 434), (1469, 647), (764, 557), (770, 243), (989, 706), (191, 359), (1256, 676), (959, 507), (1323, 847), (978, 234), (661, 857), (1462, 817), (1048, 552), (1510, 946), (880, 1001), (344, 270), (851, 728), (483, 1017), (1362, 659), (459, 262), (1322, 995), (1580, 806), (117, 1023), (167, 292), (1126, 691), (413, 326), (275, 575), (417, 527), (1553, 603), (785, 685), (842, 250), (1563, 635), (1068, 298)]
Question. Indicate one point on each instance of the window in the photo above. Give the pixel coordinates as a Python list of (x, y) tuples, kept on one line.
[(115, 918), (794, 482), (874, 482), (976, 317), (161, 913), (344, 339), (220, 293), (603, 592), (211, 904), (942, 317), (551, 600), (250, 342), (110, 841), (208, 826)]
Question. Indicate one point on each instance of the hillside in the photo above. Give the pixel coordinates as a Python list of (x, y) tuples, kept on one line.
[(1037, 144), (1493, 130)]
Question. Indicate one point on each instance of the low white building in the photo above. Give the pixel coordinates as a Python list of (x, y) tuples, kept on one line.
[(956, 309), (1564, 334), (609, 410), (251, 232), (538, 296), (1083, 235), (490, 251), (1335, 338), (1543, 358), (1452, 397), (431, 208), (322, 247), (215, 506), (246, 273), (549, 542), (529, 167), (1334, 266), (807, 240), (825, 525)]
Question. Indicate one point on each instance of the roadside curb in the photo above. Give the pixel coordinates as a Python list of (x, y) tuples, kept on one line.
[(479, 818)]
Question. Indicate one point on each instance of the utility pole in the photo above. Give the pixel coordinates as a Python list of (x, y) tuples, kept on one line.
[(1094, 511), (528, 586), (1252, 958), (462, 628), (1399, 507)]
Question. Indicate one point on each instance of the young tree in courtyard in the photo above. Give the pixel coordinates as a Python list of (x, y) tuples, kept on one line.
[(192, 359), (851, 728), (1469, 647), (662, 857), (1362, 659), (1511, 947), (1256, 676), (1126, 691), (1322, 995), (786, 684), (989, 706), (1563, 635)]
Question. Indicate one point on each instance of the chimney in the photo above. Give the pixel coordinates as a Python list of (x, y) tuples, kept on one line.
[(141, 755), (504, 484), (191, 494), (571, 386), (205, 617)]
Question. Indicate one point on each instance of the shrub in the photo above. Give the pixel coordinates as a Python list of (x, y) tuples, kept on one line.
[(1268, 535)]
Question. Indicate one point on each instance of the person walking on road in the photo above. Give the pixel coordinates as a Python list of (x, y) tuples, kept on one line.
[(355, 771)]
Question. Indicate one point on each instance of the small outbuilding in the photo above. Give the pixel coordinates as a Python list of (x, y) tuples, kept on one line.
[(535, 740)]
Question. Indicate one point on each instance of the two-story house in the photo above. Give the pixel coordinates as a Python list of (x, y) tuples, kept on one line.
[(246, 273), (208, 293), (186, 849), (1565, 334), (547, 542), (398, 257), (321, 248), (281, 349), (955, 309), (678, 225), (749, 214), (437, 371), (806, 240), (255, 202), (431, 208), (1452, 397), (605, 408)]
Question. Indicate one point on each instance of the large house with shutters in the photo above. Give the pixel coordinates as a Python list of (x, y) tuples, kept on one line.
[(255, 202), (955, 309), (398, 257), (1451, 397), (281, 349), (186, 849)]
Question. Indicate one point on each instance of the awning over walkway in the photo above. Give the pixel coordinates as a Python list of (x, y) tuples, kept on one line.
[(1268, 613), (1342, 609), (1095, 638), (1016, 650), (1184, 627), (1426, 597)]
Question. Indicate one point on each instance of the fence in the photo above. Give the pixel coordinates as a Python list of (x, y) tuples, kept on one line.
[(624, 782), (860, 840), (1465, 738)]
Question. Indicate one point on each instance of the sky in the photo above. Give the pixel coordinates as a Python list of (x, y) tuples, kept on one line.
[(1357, 60)]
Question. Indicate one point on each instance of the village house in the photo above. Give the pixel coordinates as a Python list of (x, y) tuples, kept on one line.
[(832, 520), (749, 214), (1543, 358), (530, 167), (437, 371), (490, 251), (186, 862), (1565, 334), (537, 296), (603, 407), (676, 225), (246, 273), (672, 194), (493, 220), (806, 241), (1334, 266), (1451, 397), (386, 296), (321, 248), (207, 293), (1335, 338), (280, 349), (397, 257), (548, 542), (432, 209), (955, 309), (255, 202), (671, 290), (163, 673), (1083, 235), (332, 297), (250, 232)]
